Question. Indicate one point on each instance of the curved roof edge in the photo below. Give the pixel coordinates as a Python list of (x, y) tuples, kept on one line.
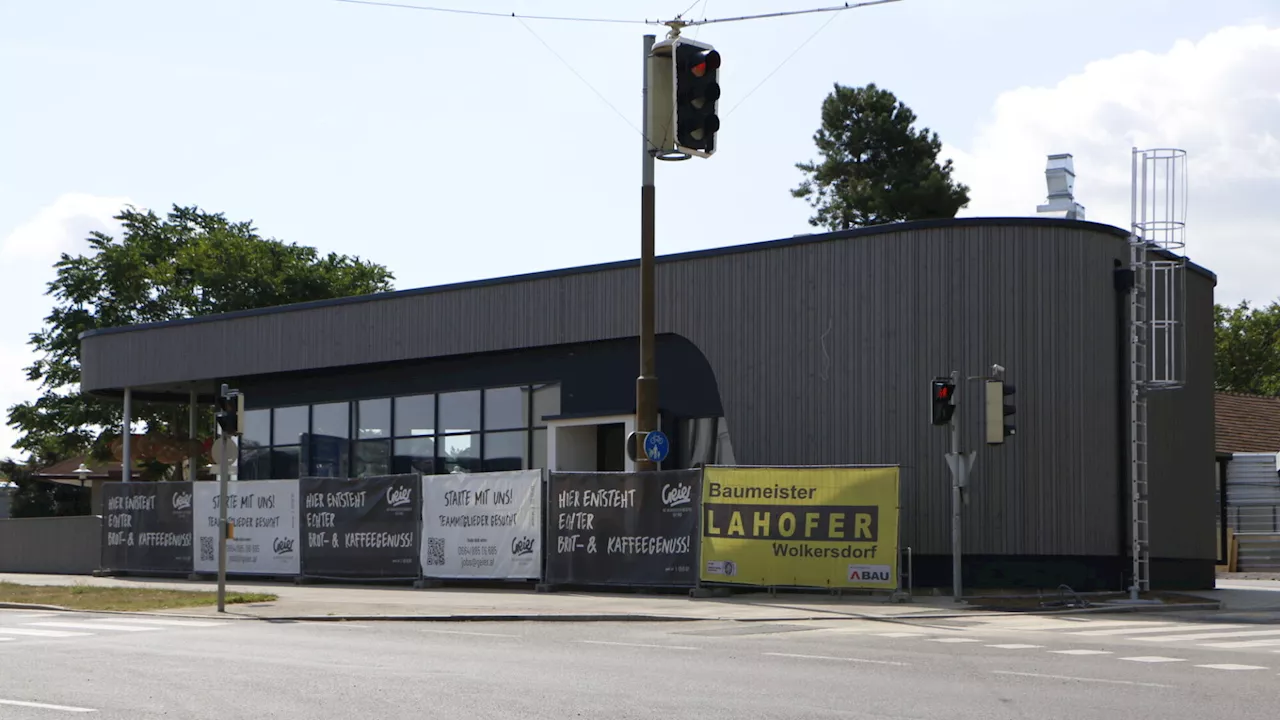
[(803, 239)]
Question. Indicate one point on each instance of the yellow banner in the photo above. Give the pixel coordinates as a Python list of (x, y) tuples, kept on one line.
[(807, 527)]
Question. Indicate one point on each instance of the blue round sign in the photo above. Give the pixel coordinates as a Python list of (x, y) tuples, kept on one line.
[(656, 446)]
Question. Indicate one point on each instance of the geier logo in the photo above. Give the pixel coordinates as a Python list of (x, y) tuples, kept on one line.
[(522, 546), (675, 495), (398, 497), (182, 501), (283, 546)]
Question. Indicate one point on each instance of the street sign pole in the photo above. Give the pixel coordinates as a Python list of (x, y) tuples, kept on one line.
[(224, 475)]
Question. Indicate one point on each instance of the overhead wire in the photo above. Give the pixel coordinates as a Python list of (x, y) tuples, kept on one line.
[(781, 64), (485, 13)]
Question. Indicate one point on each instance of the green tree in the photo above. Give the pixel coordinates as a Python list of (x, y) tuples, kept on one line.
[(875, 168), (186, 264), (1246, 352)]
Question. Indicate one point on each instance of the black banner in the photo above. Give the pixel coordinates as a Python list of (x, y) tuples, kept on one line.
[(623, 528), (362, 527), (147, 527)]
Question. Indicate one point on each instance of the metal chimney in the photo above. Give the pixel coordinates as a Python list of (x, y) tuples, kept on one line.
[(1060, 176)]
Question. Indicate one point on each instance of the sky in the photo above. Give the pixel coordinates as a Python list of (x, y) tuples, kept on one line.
[(454, 147)]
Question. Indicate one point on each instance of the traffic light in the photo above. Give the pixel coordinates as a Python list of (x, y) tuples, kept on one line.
[(997, 409), (230, 413), (943, 394), (697, 93)]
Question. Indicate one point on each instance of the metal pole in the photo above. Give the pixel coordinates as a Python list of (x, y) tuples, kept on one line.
[(192, 417), (960, 469), (126, 425), (647, 383), (224, 474)]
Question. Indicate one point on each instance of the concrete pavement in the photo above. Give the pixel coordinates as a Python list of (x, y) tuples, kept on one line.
[(373, 602), (705, 670)]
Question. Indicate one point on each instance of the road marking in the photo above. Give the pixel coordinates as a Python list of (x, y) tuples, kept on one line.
[(29, 616), (1015, 646), (899, 634), (1080, 679), (467, 632), (841, 659), (153, 621), (1229, 666), (45, 706), (1142, 629), (93, 626), (1210, 636), (626, 644), (952, 640), (1242, 644), (41, 633), (1153, 659), (1081, 652)]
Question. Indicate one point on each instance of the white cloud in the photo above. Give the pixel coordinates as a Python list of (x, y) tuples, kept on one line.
[(27, 255), (60, 227), (1218, 98)]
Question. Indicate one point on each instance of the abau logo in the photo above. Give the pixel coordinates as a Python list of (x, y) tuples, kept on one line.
[(283, 546), (676, 495), (182, 501), (399, 496), (522, 546)]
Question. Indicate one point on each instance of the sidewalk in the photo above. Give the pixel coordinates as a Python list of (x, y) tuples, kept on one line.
[(364, 602)]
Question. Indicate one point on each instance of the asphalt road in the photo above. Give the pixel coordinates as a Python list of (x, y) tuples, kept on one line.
[(55, 665)]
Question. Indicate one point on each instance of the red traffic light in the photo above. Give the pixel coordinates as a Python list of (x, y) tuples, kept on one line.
[(710, 61), (943, 392)]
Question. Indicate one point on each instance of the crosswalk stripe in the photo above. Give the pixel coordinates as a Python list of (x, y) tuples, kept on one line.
[(1229, 666), (1210, 636), (40, 633), (1015, 646), (953, 640), (94, 626), (1153, 659), (1081, 652), (1142, 629), (172, 623), (900, 634)]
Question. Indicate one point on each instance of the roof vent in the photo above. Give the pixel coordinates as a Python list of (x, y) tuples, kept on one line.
[(1060, 176)]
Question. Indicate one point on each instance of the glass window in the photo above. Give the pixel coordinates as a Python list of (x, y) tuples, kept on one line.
[(372, 457), (331, 420), (539, 456), (459, 411), (327, 456), (506, 408), (460, 453), (255, 464), (284, 463), (415, 455), (415, 415), (290, 424), (546, 402), (506, 450), (257, 428), (374, 418)]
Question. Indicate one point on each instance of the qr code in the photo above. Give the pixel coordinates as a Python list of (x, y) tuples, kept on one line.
[(435, 551), (206, 549)]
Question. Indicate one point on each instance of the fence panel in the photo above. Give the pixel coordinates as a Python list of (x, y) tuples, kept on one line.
[(365, 527), (633, 529), (264, 535), (147, 527)]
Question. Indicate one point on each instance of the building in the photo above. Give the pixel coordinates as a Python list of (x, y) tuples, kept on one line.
[(810, 350), (1247, 444)]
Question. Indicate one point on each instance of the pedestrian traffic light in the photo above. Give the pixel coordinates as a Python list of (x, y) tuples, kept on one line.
[(943, 394), (997, 409), (230, 413), (697, 93)]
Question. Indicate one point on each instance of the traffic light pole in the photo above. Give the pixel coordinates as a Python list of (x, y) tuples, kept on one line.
[(960, 463), (647, 383), (224, 475)]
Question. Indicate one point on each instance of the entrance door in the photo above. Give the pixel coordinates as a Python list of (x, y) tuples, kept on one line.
[(596, 444)]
